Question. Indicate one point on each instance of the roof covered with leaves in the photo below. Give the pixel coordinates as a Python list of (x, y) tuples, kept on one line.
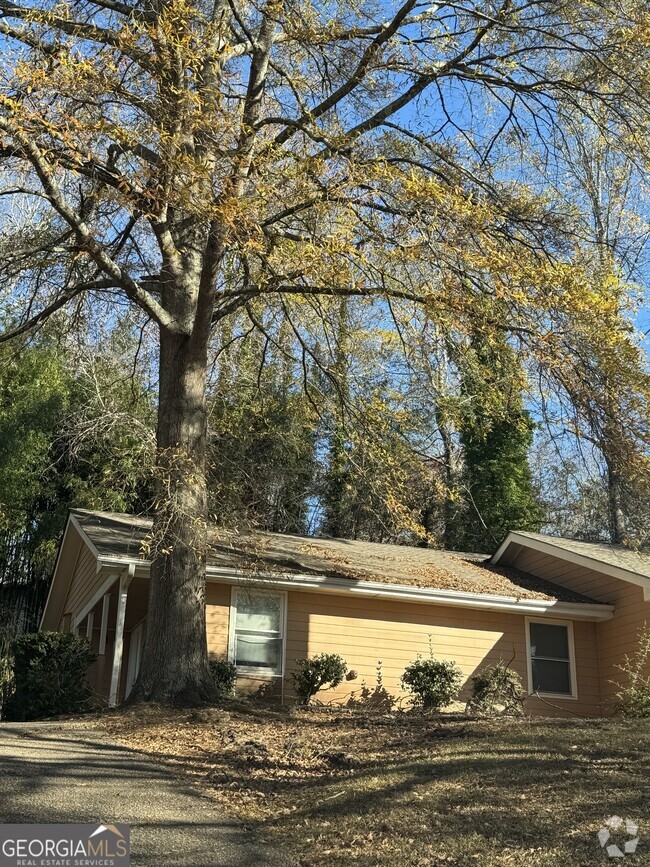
[(127, 536)]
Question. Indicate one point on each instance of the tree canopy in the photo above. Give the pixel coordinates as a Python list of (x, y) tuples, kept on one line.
[(205, 161)]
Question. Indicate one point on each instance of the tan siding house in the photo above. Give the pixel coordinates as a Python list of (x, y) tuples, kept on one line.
[(618, 577), (562, 613)]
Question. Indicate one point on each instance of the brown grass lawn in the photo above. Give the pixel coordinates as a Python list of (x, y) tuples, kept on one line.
[(337, 787)]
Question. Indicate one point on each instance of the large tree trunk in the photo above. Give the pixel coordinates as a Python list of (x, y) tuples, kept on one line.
[(175, 660)]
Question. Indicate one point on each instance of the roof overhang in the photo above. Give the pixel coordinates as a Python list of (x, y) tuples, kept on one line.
[(115, 564), (382, 590), (517, 541), (74, 536)]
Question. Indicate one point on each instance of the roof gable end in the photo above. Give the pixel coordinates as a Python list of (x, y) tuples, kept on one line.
[(613, 561)]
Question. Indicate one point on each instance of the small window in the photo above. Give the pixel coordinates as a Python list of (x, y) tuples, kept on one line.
[(257, 631), (551, 668)]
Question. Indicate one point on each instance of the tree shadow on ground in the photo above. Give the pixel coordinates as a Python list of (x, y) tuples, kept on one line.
[(450, 791)]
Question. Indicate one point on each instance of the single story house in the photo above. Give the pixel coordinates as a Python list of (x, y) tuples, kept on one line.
[(563, 613)]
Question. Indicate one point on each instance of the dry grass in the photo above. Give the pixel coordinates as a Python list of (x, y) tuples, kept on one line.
[(347, 788)]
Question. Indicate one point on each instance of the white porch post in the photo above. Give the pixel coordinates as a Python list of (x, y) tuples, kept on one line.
[(90, 625), (125, 580), (106, 604)]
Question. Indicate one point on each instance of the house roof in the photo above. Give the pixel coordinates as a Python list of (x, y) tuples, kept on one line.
[(617, 556), (120, 537)]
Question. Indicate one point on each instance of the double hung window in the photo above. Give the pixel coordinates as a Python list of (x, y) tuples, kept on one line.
[(551, 666), (257, 631)]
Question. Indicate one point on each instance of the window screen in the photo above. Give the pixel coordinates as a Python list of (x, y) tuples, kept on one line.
[(550, 660)]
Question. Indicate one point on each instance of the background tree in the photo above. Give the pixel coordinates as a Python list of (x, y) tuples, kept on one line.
[(337, 490), (261, 439), (496, 433), (73, 432), (606, 410), (34, 393)]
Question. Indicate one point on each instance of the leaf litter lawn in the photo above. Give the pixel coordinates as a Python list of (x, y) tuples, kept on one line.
[(339, 787)]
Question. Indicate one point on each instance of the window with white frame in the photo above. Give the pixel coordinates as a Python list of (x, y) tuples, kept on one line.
[(257, 630), (551, 667)]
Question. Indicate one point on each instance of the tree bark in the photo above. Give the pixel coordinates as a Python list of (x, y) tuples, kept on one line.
[(614, 503), (175, 658)]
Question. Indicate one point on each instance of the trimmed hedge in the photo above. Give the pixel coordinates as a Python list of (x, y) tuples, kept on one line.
[(433, 682), (313, 674)]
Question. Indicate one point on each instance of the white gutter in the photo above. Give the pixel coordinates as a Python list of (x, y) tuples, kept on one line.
[(115, 561), (396, 592)]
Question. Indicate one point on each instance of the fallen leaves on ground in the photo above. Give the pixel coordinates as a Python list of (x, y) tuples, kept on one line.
[(342, 787)]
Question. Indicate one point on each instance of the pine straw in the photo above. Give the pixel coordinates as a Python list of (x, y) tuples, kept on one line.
[(338, 787)]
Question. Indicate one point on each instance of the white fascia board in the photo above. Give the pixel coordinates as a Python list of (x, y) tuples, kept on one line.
[(95, 600), (382, 590), (425, 595), (593, 563), (110, 561), (79, 528), (56, 566), (509, 540)]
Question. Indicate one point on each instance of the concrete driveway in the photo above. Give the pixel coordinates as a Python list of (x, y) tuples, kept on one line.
[(51, 772)]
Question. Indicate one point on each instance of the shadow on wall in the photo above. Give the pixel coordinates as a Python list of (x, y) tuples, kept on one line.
[(378, 642), (100, 672)]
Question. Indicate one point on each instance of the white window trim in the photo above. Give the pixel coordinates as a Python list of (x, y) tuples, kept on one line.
[(572, 659), (249, 669)]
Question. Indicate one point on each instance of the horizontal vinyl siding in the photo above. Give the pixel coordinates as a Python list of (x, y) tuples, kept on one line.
[(217, 614), (616, 637), (619, 637), (365, 631), (85, 583)]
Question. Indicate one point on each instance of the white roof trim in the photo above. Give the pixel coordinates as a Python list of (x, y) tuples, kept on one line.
[(97, 597), (56, 566), (85, 537), (427, 595), (547, 547), (117, 561), (398, 592)]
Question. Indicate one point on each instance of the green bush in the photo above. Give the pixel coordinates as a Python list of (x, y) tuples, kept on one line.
[(497, 689), (315, 673), (49, 673), (634, 695), (433, 682), (224, 675)]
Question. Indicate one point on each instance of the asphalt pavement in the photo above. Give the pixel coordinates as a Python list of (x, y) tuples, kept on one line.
[(57, 774)]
